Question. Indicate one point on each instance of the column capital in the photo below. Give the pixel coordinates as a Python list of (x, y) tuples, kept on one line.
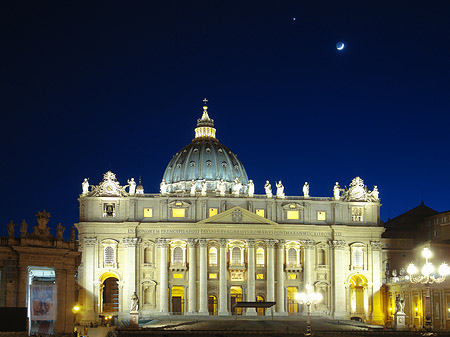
[(203, 242), (281, 243), (338, 244), (90, 241), (309, 243), (376, 245), (192, 242), (131, 242), (223, 243), (162, 242), (271, 243), (251, 243)]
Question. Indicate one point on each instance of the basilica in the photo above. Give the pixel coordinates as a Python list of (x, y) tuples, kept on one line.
[(207, 242)]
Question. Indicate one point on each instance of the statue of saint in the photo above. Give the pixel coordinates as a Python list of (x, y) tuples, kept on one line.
[(399, 304), (336, 191), (134, 302), (237, 186), (280, 190), (72, 234), (193, 183), (251, 188), (23, 229), (222, 188), (132, 183), (375, 193), (204, 186), (163, 187), (85, 186), (268, 189), (306, 190), (11, 229), (59, 231)]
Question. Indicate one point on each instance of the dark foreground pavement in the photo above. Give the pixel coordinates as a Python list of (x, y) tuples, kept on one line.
[(252, 327)]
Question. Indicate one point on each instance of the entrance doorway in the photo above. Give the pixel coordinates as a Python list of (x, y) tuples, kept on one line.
[(358, 287), (292, 303), (41, 299), (212, 305), (260, 311), (177, 300), (236, 296)]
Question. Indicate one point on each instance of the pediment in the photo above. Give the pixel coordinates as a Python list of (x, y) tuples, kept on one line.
[(237, 215)]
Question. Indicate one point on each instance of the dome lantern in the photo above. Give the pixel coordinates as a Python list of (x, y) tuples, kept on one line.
[(205, 125)]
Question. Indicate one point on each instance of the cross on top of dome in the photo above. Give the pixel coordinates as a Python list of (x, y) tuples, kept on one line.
[(205, 125)]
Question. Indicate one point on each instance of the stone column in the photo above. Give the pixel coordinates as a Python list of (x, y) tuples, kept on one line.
[(163, 277), (251, 297), (308, 262), (192, 300), (22, 286), (203, 296), (61, 301), (89, 251), (377, 306), (223, 292), (270, 270), (338, 281), (129, 277), (280, 278)]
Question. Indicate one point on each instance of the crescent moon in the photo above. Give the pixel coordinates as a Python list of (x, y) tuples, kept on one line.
[(341, 46)]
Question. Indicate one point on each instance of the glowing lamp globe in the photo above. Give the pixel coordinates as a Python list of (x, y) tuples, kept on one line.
[(427, 269), (412, 269), (426, 253), (444, 270)]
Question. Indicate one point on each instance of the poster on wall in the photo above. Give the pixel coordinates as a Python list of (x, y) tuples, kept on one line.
[(43, 302)]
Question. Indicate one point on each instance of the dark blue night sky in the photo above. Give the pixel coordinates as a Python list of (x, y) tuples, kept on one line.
[(91, 86)]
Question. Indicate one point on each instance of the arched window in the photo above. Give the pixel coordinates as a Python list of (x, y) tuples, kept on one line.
[(148, 255), (213, 256), (178, 256), (292, 257), (236, 256), (357, 255), (109, 256), (260, 256), (321, 257)]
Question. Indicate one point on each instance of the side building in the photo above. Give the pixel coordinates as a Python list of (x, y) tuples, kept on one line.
[(206, 241)]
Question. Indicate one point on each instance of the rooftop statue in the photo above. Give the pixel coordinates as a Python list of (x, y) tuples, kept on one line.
[(41, 230), (336, 191), (222, 187), (280, 190), (204, 186), (11, 229), (268, 189), (251, 188), (132, 184), (23, 229), (306, 190), (163, 187), (85, 186), (237, 187), (193, 183), (59, 231)]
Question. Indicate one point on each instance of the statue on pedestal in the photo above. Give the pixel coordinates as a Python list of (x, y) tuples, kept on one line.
[(132, 183), (336, 191), (11, 229), (222, 188), (306, 190), (59, 231), (280, 190), (204, 186), (23, 229), (163, 187), (85, 186), (399, 304), (134, 303), (268, 189), (193, 183), (251, 188), (237, 186)]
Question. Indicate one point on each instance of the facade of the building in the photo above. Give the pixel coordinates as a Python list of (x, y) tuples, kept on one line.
[(206, 241), (37, 273)]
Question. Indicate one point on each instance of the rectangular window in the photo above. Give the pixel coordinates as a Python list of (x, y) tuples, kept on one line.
[(357, 214), (212, 276), (260, 276), (292, 276), (213, 211), (148, 212), (321, 216), (292, 215), (260, 212), (178, 212), (177, 275)]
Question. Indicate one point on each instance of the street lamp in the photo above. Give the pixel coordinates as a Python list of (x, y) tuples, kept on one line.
[(308, 298), (427, 277)]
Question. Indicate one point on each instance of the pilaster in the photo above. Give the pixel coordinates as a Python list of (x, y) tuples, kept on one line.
[(251, 297), (163, 277), (192, 300), (203, 295), (223, 292)]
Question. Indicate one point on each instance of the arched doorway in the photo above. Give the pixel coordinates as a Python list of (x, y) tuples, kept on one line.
[(358, 296), (292, 303), (236, 296), (260, 311), (177, 300), (109, 293), (212, 305)]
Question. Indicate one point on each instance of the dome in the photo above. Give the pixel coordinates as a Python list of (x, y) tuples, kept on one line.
[(205, 159)]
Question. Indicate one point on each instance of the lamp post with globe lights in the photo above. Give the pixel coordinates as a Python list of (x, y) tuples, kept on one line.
[(427, 277), (308, 298)]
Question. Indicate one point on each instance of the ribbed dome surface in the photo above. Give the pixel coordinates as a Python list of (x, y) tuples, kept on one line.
[(204, 159)]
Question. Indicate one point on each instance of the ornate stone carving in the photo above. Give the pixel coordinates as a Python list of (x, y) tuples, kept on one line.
[(131, 242), (11, 226), (280, 190), (108, 187), (376, 245), (236, 216), (309, 244), (90, 242), (251, 243), (338, 244), (271, 243), (281, 243), (41, 230), (162, 242), (268, 189), (192, 242), (23, 229), (223, 242), (359, 192), (60, 231), (203, 242)]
